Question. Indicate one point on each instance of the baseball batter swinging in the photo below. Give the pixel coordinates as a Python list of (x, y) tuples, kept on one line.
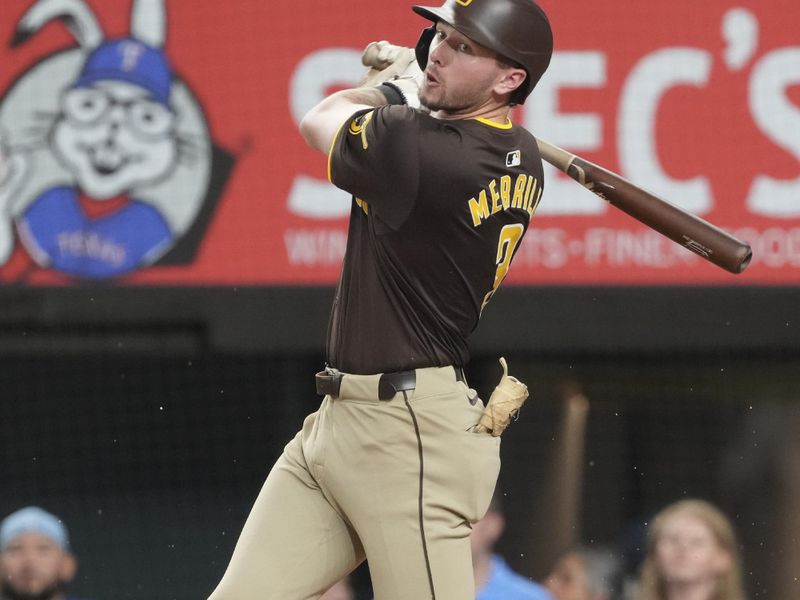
[(394, 466)]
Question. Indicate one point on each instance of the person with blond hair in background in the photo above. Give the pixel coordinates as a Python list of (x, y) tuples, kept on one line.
[(691, 555)]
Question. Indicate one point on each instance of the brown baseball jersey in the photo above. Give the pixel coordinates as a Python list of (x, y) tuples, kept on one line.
[(439, 209)]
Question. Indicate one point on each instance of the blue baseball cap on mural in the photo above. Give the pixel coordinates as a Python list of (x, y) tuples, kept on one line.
[(33, 519), (129, 60)]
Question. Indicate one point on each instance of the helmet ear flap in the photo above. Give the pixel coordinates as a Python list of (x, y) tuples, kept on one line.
[(424, 45)]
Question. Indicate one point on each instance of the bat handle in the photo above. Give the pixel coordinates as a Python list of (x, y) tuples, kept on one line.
[(558, 157)]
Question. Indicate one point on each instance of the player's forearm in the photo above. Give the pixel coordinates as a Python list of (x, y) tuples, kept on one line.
[(320, 126)]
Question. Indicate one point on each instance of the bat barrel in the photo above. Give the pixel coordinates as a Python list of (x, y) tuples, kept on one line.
[(684, 228), (688, 230)]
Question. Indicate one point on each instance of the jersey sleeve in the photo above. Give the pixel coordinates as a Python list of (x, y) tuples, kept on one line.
[(375, 157)]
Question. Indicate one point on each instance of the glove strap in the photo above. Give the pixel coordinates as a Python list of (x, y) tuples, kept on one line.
[(392, 93)]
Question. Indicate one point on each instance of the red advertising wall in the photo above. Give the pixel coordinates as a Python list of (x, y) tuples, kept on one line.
[(699, 102)]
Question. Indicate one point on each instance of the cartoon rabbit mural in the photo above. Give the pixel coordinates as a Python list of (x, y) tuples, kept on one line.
[(105, 154)]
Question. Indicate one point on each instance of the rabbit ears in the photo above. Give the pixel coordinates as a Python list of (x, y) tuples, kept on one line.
[(148, 22)]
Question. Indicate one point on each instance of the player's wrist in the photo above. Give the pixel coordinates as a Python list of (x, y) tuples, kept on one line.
[(401, 91), (392, 93)]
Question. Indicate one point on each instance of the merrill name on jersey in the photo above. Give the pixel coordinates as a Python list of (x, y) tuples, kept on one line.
[(524, 194)]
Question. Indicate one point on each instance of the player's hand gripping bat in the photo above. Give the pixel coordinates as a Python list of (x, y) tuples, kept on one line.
[(688, 230), (395, 66)]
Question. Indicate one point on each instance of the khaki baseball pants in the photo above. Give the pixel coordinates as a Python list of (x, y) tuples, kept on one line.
[(398, 482)]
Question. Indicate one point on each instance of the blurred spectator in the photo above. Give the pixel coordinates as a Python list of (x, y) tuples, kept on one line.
[(691, 555), (584, 573), (35, 560), (341, 590), (494, 579)]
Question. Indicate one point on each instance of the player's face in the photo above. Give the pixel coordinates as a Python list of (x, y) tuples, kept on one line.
[(461, 75), (33, 565), (567, 581), (687, 552)]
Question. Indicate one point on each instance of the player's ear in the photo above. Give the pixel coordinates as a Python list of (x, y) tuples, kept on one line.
[(510, 79), (68, 567)]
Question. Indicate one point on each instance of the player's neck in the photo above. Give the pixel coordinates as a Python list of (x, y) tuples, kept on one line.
[(496, 113)]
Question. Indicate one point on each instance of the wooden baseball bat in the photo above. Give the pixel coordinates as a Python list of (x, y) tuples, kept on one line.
[(688, 230)]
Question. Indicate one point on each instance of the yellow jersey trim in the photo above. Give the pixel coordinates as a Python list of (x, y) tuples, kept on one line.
[(333, 143), (507, 125)]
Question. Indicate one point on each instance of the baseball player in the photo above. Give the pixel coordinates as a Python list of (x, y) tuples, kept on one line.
[(393, 467)]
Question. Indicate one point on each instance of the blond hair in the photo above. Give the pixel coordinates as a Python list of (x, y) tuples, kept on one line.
[(652, 585)]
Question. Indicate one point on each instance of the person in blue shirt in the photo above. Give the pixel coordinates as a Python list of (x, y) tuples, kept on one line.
[(35, 559), (494, 579), (585, 573)]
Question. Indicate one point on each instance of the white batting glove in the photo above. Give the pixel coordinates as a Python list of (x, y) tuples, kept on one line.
[(395, 67)]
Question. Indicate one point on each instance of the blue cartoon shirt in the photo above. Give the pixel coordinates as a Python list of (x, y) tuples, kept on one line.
[(58, 234), (505, 584)]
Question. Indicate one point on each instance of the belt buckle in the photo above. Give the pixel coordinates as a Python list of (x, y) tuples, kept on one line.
[(390, 384)]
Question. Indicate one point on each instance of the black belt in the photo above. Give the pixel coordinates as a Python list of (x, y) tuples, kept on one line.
[(329, 382)]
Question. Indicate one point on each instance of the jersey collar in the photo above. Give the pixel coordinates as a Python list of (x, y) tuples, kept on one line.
[(507, 125)]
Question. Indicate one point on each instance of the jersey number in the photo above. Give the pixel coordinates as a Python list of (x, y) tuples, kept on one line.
[(510, 235)]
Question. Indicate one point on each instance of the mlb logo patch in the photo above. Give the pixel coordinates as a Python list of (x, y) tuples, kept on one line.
[(513, 159)]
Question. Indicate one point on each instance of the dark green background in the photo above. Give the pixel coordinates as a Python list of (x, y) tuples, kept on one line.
[(148, 418)]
